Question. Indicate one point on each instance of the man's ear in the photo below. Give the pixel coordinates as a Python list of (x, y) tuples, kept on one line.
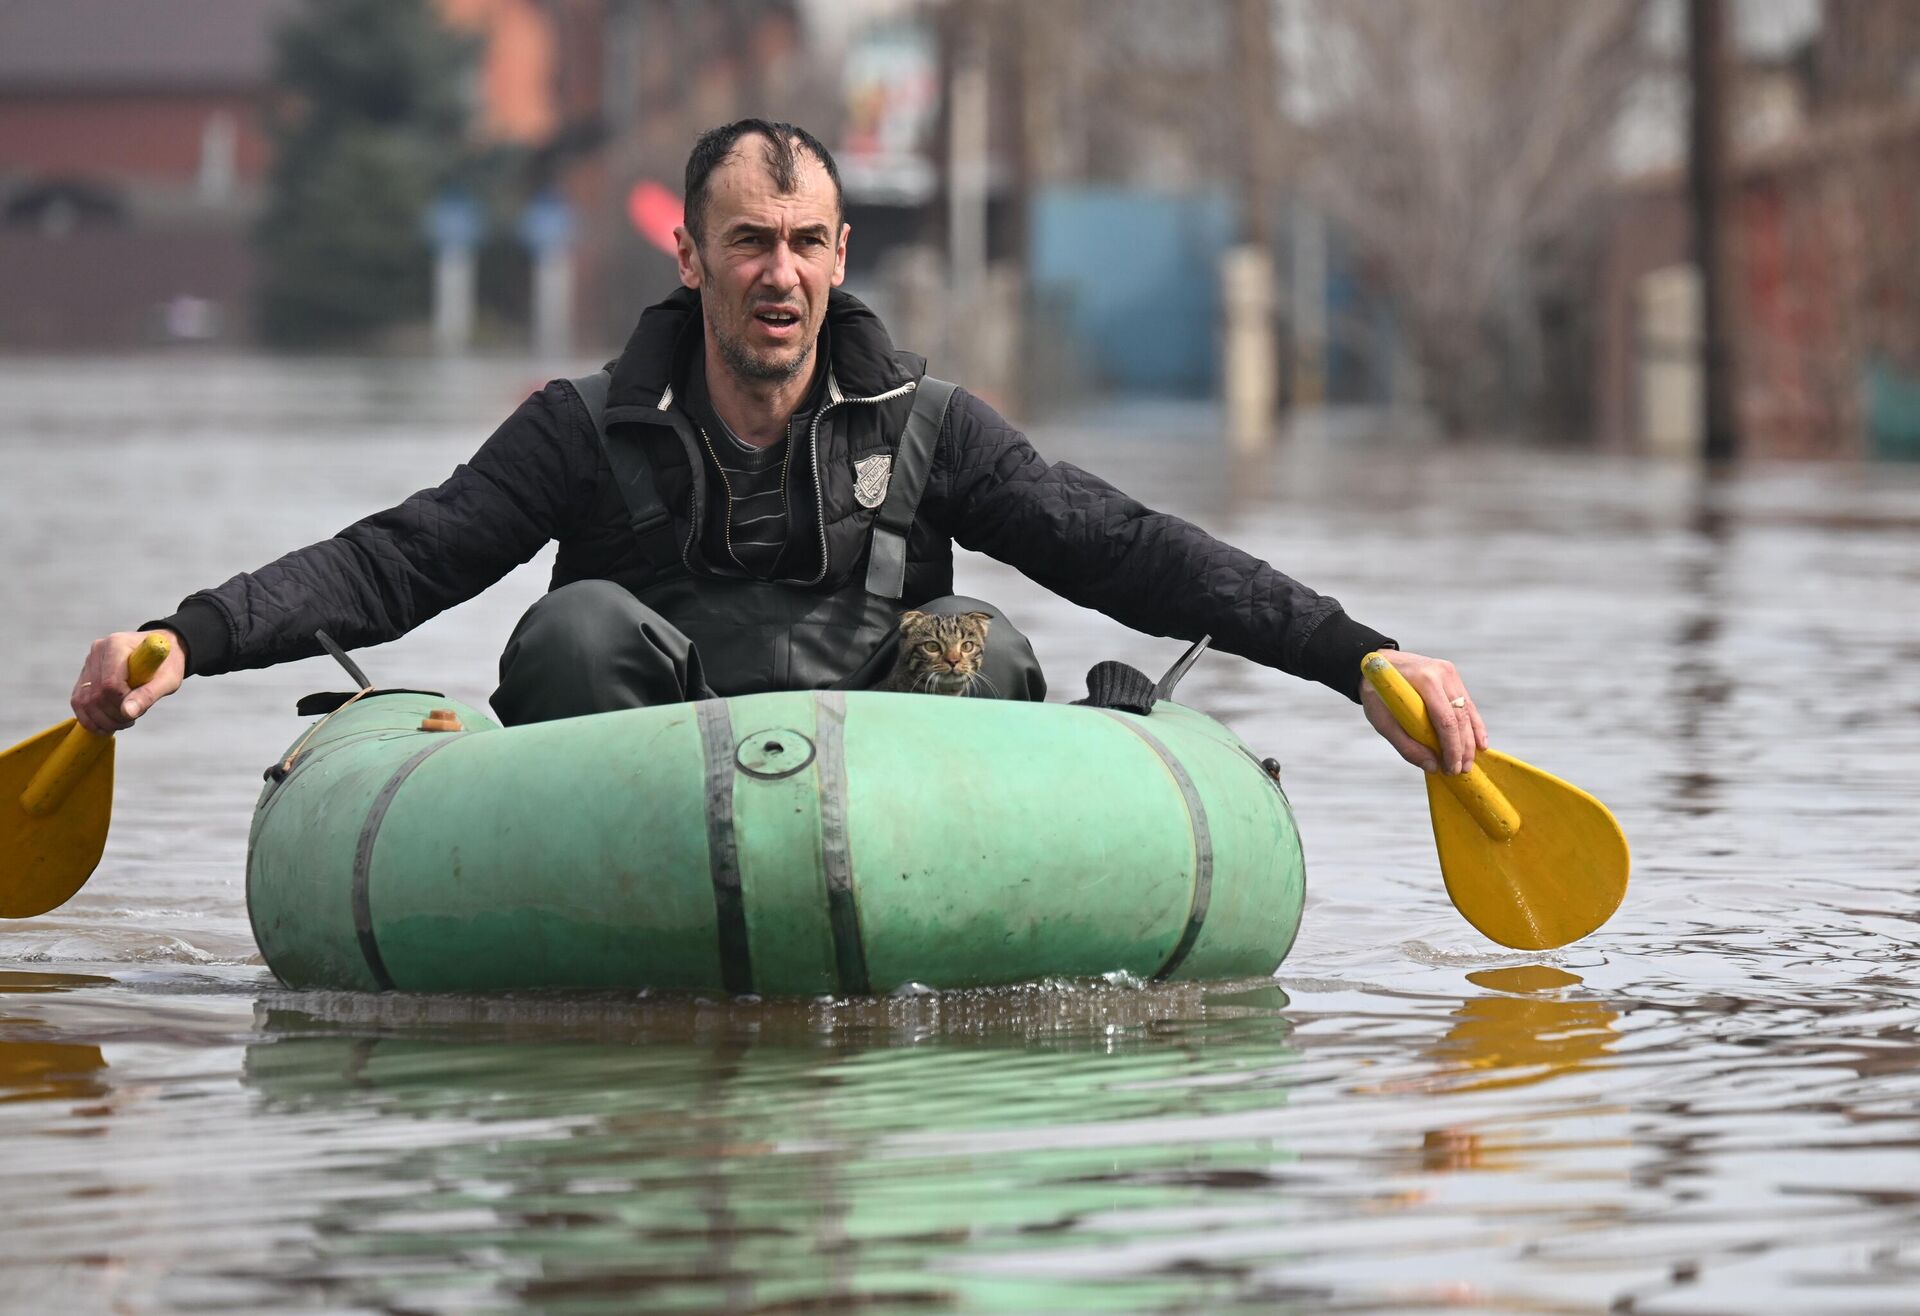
[(840, 256), (686, 251)]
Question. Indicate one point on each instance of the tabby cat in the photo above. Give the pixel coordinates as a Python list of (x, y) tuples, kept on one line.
[(941, 655)]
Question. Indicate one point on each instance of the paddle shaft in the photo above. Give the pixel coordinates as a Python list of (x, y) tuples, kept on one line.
[(70, 762), (1477, 794)]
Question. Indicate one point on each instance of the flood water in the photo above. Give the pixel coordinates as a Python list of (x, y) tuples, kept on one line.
[(1711, 1106)]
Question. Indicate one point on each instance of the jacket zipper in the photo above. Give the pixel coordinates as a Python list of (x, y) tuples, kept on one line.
[(819, 494), (726, 487), (693, 513)]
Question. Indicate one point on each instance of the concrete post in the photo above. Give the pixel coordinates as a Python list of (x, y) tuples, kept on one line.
[(553, 302), (1249, 352), (452, 298), (1309, 307), (1250, 347)]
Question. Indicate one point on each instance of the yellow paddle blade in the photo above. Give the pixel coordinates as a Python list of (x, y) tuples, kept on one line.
[(1528, 859), (1557, 878), (56, 801), (44, 859)]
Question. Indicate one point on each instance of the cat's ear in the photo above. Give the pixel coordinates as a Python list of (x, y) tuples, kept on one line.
[(912, 617), (984, 619)]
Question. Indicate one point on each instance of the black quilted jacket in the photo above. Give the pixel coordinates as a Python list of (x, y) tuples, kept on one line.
[(543, 476)]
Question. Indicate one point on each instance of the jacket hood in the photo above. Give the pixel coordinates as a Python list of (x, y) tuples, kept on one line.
[(662, 345)]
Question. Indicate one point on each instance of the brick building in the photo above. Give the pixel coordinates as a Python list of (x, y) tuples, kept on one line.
[(132, 150), (1824, 295)]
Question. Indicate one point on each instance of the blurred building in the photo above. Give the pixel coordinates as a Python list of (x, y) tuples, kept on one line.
[(1825, 302), (518, 74), (1053, 226), (132, 151), (660, 72), (1121, 136)]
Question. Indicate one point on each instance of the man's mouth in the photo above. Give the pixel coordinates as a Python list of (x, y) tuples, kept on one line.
[(777, 317)]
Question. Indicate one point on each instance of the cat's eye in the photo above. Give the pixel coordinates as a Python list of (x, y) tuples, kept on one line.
[(930, 646), (968, 646)]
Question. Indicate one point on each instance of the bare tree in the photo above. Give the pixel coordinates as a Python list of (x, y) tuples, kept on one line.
[(1465, 147)]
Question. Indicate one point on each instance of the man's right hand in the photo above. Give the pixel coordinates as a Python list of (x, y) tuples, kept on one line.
[(101, 700)]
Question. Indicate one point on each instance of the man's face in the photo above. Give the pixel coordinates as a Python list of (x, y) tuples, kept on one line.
[(766, 262)]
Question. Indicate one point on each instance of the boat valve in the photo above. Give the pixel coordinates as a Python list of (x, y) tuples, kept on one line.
[(442, 719)]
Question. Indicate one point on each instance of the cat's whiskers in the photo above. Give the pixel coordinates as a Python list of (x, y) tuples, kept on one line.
[(940, 654)]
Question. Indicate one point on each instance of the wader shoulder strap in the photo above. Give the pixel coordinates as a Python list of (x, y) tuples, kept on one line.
[(646, 510), (912, 461), (593, 395)]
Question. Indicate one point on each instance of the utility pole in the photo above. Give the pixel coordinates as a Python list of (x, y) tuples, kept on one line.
[(967, 144), (1250, 370), (1259, 113), (1707, 192)]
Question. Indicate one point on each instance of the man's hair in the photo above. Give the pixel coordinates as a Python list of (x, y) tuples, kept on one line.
[(716, 145)]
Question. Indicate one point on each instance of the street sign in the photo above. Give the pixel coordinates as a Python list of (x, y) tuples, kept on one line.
[(454, 220), (547, 222)]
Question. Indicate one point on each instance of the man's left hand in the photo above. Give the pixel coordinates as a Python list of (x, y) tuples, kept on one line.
[(1455, 720)]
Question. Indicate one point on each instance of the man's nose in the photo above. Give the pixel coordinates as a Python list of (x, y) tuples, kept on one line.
[(782, 269)]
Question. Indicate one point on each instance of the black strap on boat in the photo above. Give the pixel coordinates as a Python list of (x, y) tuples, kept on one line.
[(912, 460), (843, 906), (362, 893), (1202, 846), (723, 848), (646, 510)]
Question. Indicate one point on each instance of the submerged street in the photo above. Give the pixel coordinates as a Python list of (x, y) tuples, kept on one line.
[(1708, 1106)]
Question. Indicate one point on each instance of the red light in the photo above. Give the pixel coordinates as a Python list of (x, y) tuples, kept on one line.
[(654, 212)]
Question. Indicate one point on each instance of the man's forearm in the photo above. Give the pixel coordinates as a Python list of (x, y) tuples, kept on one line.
[(1076, 534), (382, 576)]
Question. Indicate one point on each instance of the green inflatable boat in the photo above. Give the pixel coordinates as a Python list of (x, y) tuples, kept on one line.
[(810, 843)]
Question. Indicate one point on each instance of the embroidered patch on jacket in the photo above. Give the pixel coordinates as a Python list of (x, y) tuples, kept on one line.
[(873, 475)]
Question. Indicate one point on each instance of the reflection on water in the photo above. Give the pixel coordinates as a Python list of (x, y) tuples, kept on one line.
[(1510, 1041), (1515, 1040), (1712, 1106), (14, 981), (758, 1158), (48, 1071), (33, 1070)]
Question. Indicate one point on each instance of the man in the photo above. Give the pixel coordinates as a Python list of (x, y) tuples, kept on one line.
[(748, 499)]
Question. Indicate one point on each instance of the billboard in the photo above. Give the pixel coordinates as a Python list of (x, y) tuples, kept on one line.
[(892, 87)]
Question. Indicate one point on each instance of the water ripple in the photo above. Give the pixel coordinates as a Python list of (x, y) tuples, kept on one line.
[(1712, 1106)]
